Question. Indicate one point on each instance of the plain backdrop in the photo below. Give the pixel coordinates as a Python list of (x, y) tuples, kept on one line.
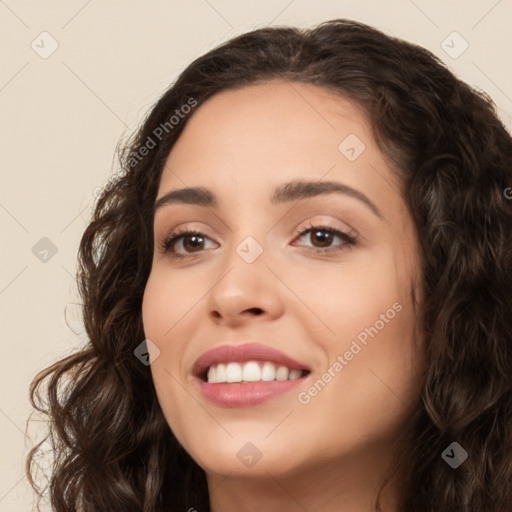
[(76, 76)]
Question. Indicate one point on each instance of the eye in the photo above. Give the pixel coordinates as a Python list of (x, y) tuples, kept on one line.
[(183, 243), (188, 241), (324, 235)]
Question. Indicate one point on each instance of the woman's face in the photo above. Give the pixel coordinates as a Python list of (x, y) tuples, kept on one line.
[(332, 311)]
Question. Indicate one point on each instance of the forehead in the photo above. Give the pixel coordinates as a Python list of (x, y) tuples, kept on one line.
[(290, 110), (271, 132)]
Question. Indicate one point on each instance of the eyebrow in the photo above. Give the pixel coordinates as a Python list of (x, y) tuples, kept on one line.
[(284, 193)]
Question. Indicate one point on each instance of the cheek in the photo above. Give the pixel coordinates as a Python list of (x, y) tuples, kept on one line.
[(167, 300), (162, 308), (369, 387), (368, 319), (349, 297)]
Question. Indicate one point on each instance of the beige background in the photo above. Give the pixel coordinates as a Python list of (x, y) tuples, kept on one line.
[(61, 117)]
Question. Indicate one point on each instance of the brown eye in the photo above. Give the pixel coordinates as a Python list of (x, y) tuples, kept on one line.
[(192, 242), (323, 236), (182, 243)]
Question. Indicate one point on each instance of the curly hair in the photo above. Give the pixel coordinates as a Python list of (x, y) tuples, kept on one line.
[(113, 448)]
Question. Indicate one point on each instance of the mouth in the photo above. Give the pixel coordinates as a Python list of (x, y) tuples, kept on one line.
[(246, 375), (250, 371)]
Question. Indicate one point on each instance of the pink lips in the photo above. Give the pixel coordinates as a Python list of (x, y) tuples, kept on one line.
[(244, 394)]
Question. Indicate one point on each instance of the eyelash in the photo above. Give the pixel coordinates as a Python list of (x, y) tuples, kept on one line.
[(166, 244)]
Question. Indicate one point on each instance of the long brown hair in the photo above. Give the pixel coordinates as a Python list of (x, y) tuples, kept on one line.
[(113, 448)]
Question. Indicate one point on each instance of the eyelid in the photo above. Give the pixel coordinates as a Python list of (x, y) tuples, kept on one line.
[(327, 225)]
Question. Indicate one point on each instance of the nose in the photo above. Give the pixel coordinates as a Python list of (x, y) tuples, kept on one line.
[(245, 292)]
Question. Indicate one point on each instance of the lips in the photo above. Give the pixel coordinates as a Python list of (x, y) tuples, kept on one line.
[(244, 353)]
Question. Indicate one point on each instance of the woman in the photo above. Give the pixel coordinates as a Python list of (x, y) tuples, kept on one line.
[(297, 292)]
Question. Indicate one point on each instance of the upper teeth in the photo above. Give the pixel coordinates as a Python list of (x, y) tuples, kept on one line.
[(251, 371)]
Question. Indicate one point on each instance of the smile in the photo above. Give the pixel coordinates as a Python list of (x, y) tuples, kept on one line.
[(246, 375)]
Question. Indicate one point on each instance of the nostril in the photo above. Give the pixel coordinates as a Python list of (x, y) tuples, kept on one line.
[(257, 311)]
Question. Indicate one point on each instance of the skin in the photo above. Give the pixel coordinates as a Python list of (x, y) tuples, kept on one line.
[(335, 449)]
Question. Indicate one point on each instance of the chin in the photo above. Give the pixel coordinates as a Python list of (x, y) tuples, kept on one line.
[(241, 457)]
